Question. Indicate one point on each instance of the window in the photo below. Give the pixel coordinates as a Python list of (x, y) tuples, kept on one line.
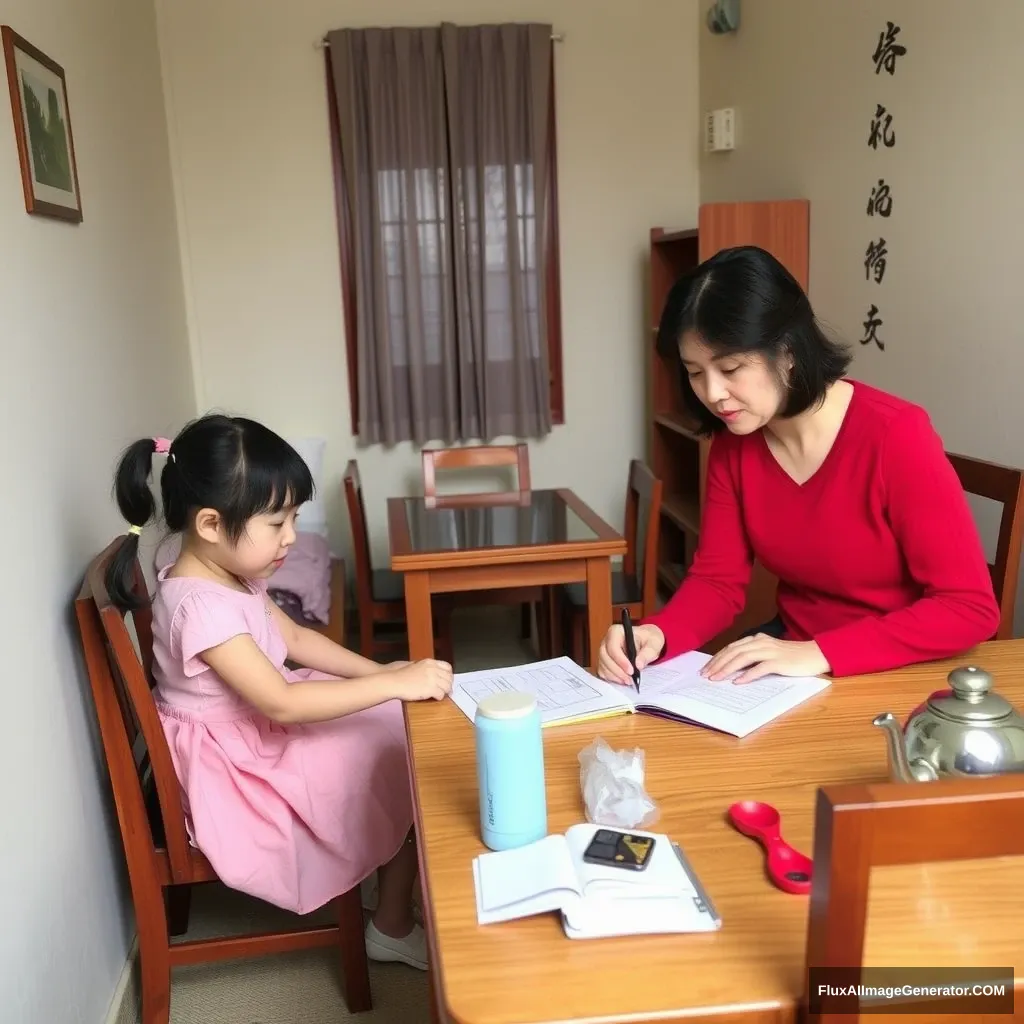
[(420, 247), (428, 214)]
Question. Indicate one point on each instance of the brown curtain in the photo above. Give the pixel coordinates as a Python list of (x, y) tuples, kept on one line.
[(444, 141)]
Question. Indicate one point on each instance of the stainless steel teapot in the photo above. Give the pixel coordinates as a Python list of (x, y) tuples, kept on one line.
[(967, 731)]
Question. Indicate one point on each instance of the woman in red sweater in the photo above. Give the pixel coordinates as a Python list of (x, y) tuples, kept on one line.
[(841, 491)]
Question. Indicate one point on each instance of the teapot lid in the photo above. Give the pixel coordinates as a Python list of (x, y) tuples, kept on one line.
[(971, 699)]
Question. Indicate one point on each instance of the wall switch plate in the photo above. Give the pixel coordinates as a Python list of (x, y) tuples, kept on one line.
[(720, 130)]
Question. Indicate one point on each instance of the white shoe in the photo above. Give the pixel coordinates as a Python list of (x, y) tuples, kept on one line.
[(411, 950)]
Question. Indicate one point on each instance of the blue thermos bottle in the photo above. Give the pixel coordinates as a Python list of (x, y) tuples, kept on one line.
[(510, 770)]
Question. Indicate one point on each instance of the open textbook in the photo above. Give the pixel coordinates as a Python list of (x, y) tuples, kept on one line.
[(669, 689), (595, 901)]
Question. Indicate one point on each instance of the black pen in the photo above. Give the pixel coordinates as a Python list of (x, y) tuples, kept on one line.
[(627, 628)]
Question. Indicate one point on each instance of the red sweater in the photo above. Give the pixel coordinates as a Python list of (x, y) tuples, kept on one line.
[(877, 555)]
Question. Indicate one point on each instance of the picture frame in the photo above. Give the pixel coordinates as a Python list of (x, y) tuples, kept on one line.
[(42, 129)]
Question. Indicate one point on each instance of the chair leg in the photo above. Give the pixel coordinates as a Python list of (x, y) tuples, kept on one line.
[(355, 968), (543, 610), (525, 620), (579, 638), (444, 642), (554, 626), (154, 961), (178, 901), (366, 634)]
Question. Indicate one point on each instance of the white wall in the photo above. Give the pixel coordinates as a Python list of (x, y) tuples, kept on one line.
[(248, 116), (800, 76), (94, 354)]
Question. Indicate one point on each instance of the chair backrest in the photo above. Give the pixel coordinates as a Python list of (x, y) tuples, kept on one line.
[(860, 827), (147, 793), (643, 512), (1005, 485), (360, 536), (473, 457)]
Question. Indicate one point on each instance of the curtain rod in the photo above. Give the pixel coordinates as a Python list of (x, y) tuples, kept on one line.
[(323, 44)]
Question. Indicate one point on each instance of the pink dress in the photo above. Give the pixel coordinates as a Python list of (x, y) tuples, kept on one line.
[(292, 814)]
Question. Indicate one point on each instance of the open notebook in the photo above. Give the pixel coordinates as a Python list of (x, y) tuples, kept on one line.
[(595, 901), (670, 689)]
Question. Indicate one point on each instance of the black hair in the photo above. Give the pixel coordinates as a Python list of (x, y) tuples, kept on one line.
[(233, 465), (744, 301)]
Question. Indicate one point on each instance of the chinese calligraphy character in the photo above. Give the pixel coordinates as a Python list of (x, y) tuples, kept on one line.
[(888, 49), (881, 128), (874, 260), (880, 200), (871, 325)]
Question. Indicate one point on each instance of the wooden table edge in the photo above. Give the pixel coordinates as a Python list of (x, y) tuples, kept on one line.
[(440, 1011), (506, 557)]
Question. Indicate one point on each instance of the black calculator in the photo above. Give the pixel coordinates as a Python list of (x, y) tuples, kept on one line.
[(619, 850)]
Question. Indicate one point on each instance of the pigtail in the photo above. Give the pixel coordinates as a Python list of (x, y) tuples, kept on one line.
[(138, 506)]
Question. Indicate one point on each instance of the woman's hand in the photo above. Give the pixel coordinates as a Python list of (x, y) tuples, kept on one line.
[(760, 655), (612, 662), (393, 666)]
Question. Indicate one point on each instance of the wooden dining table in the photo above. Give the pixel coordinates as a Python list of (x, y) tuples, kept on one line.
[(500, 540), (752, 969)]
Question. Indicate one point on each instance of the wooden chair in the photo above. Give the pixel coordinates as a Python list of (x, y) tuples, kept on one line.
[(532, 599), (860, 827), (1005, 485), (380, 593), (474, 457), (162, 865), (635, 585)]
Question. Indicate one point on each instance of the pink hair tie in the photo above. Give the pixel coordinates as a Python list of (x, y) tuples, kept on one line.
[(163, 446)]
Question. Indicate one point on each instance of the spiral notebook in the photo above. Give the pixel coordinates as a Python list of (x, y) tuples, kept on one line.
[(595, 901), (672, 689)]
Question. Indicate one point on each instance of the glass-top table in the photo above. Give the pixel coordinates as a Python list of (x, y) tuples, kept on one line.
[(541, 517), (498, 541)]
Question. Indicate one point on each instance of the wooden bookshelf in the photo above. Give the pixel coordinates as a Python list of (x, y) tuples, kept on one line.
[(677, 454)]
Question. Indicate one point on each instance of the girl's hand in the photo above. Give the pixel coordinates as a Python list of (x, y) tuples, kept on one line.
[(393, 666), (612, 662), (424, 680), (760, 655)]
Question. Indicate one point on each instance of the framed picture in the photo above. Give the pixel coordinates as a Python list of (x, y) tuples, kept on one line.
[(42, 127)]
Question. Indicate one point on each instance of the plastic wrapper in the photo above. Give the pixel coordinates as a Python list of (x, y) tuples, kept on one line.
[(613, 787)]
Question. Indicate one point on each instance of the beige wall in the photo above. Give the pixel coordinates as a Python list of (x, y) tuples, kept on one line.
[(247, 109), (801, 77), (94, 354)]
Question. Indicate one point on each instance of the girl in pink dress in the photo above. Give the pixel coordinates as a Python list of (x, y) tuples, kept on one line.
[(295, 781)]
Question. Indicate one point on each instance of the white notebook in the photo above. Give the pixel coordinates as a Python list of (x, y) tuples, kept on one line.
[(595, 901), (670, 689)]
